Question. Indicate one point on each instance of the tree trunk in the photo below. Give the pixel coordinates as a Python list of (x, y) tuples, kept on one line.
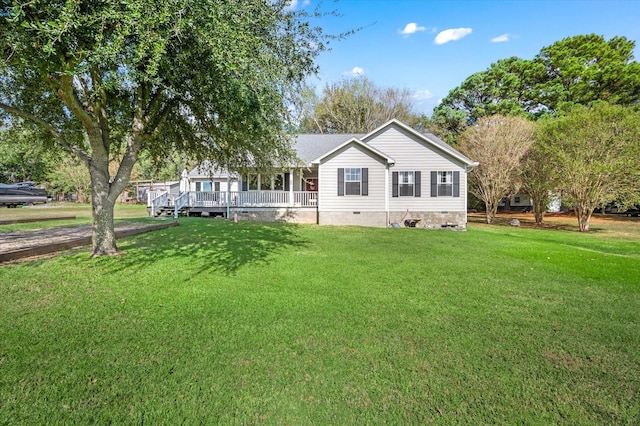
[(538, 215), (102, 205), (507, 203), (491, 209), (584, 215), (539, 205), (103, 235)]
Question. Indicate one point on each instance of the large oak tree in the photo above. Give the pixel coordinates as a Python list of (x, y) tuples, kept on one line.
[(115, 78), (575, 70)]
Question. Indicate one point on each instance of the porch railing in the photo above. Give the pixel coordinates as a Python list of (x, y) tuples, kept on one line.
[(157, 200), (180, 201), (234, 199)]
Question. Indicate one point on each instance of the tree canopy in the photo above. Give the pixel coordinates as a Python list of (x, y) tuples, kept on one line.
[(595, 155), (575, 70), (355, 105), (117, 78)]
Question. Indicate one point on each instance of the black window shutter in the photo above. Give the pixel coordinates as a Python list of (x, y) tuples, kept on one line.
[(417, 188), (394, 184), (286, 182), (434, 184), (340, 182), (456, 184), (245, 183), (365, 181)]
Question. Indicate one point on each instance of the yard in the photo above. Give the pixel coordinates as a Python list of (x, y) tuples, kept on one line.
[(213, 322)]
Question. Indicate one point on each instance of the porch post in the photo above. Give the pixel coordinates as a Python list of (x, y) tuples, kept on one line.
[(228, 195), (291, 188)]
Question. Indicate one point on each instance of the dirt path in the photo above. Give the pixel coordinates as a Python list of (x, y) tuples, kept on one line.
[(21, 244)]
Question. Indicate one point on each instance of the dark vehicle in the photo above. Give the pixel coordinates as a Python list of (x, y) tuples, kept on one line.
[(21, 194), (633, 211)]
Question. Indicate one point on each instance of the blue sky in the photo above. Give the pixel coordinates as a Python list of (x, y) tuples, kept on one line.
[(429, 47)]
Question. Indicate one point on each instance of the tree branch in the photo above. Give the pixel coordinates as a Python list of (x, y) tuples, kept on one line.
[(60, 139)]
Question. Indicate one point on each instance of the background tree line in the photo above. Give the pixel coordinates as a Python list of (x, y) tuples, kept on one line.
[(564, 122)]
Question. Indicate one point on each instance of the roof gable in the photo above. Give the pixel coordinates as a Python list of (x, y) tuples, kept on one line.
[(429, 139), (358, 143)]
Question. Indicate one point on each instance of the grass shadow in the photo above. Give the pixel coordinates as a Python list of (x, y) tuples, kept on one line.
[(210, 245)]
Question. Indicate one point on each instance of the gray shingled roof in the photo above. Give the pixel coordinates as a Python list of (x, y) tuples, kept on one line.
[(311, 146), (446, 147)]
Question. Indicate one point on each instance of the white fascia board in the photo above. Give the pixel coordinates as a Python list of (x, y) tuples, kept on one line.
[(359, 143)]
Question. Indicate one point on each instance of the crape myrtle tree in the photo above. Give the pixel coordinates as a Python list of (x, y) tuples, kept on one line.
[(595, 153), (498, 143), (539, 180), (122, 77)]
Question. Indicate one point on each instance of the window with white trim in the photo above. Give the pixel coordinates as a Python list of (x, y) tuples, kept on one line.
[(278, 182), (253, 181), (445, 184), (406, 184), (352, 181)]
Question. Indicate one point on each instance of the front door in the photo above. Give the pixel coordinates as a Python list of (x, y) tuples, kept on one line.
[(311, 184)]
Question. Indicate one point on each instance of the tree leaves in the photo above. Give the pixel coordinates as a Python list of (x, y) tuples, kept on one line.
[(117, 77), (595, 153), (573, 71)]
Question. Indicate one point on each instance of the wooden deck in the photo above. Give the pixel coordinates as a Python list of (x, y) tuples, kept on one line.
[(220, 203)]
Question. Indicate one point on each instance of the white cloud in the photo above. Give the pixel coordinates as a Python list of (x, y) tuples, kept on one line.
[(412, 28), (422, 95), (356, 71), (501, 39), (293, 4), (451, 34)]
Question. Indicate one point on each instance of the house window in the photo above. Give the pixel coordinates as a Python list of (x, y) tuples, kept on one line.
[(216, 186), (198, 186), (405, 184), (206, 186), (352, 181), (278, 182), (265, 183), (445, 184), (252, 182)]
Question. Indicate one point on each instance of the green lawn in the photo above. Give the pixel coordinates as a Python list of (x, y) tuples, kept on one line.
[(213, 322)]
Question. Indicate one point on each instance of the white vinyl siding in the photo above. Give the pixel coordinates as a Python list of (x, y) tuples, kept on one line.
[(411, 154), (352, 156)]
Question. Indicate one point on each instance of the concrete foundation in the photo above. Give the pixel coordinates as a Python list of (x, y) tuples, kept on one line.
[(431, 220), (424, 220), (353, 218)]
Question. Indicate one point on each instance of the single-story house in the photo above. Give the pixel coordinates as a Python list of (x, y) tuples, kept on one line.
[(393, 174)]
